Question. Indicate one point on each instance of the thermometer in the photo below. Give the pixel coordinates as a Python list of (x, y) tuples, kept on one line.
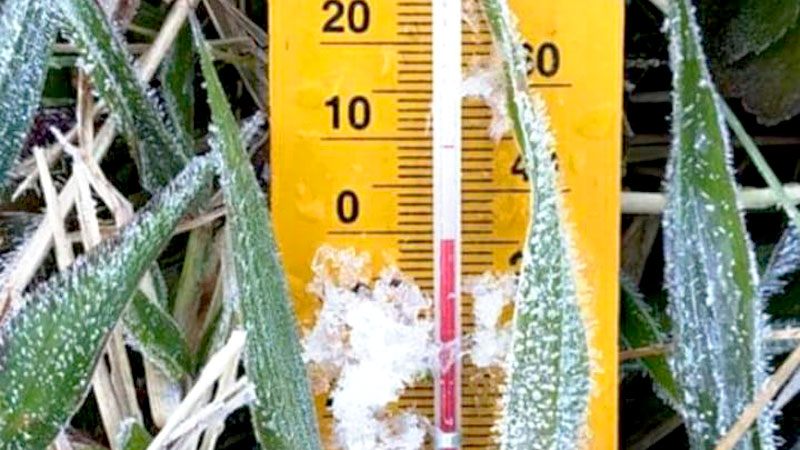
[(373, 148)]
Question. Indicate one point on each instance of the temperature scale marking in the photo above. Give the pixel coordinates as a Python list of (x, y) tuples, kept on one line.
[(352, 93)]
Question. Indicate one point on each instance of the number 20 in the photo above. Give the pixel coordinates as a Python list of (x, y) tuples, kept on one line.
[(357, 16)]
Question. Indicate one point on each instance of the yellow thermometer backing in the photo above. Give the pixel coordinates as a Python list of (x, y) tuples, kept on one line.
[(352, 156)]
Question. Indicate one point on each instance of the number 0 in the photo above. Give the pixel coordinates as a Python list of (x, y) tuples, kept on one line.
[(347, 206), (359, 113), (547, 61), (358, 16)]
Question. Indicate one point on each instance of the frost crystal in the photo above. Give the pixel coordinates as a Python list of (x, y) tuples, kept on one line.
[(369, 344), (491, 339), (487, 84)]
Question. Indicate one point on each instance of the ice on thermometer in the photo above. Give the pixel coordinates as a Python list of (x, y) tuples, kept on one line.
[(384, 331), (370, 342)]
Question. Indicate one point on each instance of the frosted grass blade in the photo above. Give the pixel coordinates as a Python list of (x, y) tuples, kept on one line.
[(718, 358), (283, 410), (27, 33), (49, 348), (15, 230), (177, 81), (548, 369), (785, 260), (158, 153)]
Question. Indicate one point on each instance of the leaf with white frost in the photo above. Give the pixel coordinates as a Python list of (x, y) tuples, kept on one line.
[(50, 345), (159, 152), (283, 410), (27, 33), (546, 400), (717, 321)]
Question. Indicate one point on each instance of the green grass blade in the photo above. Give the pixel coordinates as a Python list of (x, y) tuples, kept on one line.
[(762, 165), (49, 348), (718, 358), (158, 153), (223, 315), (132, 436), (27, 33), (198, 276), (157, 336), (639, 329), (177, 81), (283, 412), (150, 16), (547, 395)]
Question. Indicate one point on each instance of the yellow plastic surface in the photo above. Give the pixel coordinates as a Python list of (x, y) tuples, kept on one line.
[(386, 163)]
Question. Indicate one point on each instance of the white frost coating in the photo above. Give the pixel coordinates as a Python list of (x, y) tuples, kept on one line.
[(369, 344), (487, 84), (253, 129), (492, 338)]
